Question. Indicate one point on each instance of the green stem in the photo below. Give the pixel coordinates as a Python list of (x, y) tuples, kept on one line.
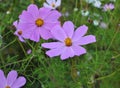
[(22, 47)]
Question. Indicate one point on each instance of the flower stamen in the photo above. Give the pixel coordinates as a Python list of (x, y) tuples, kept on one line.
[(53, 5), (7, 87), (39, 22), (20, 32), (68, 41)]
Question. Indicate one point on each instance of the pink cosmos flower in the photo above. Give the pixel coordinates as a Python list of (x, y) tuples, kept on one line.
[(108, 7), (39, 22), (69, 42), (11, 81), (21, 32)]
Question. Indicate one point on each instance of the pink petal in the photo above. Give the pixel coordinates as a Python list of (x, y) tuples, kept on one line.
[(54, 52), (53, 16), (68, 28), (2, 79), (26, 17), (45, 34), (19, 82), (15, 23), (78, 50), (67, 53), (21, 39), (52, 45), (86, 40), (35, 35), (33, 9), (43, 12), (11, 77), (50, 25), (80, 32), (58, 33), (26, 29)]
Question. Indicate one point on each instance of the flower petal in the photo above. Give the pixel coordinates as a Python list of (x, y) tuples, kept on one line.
[(68, 28), (67, 52), (45, 34), (47, 6), (26, 17), (49, 1), (58, 33), (19, 82), (54, 52), (2, 79), (33, 9), (21, 39), (43, 12), (86, 40), (15, 23), (78, 50), (58, 3), (80, 32), (35, 35), (11, 77), (52, 45), (50, 25), (53, 16)]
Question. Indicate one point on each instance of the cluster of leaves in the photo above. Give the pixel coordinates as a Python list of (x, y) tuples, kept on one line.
[(99, 68)]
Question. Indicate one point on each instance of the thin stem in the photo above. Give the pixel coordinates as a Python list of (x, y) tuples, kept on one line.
[(22, 47)]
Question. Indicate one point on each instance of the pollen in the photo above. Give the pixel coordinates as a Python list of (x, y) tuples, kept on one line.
[(68, 41), (20, 32), (53, 5), (39, 22), (7, 87)]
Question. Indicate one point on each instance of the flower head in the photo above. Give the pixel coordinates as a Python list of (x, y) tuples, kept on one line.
[(11, 81), (97, 3), (96, 22), (84, 12), (69, 42), (20, 31), (52, 4), (39, 22), (108, 7)]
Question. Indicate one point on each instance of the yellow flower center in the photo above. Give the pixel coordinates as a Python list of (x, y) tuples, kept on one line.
[(39, 22), (20, 32), (53, 5), (68, 41), (7, 87)]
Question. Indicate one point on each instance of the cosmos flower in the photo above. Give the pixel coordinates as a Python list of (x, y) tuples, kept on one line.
[(20, 32), (97, 3), (103, 25), (69, 42), (52, 4), (96, 22), (11, 81), (39, 22), (107, 7), (84, 12)]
